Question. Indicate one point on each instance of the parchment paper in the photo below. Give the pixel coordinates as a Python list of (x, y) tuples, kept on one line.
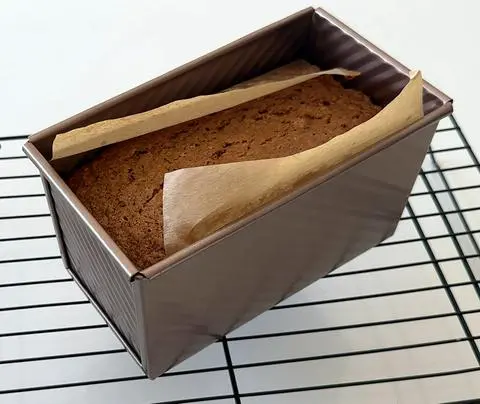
[(117, 130), (198, 201)]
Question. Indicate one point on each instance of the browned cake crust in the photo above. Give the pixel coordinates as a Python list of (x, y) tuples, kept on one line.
[(122, 186)]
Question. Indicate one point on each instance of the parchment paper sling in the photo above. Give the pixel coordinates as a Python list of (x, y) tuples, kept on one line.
[(198, 201)]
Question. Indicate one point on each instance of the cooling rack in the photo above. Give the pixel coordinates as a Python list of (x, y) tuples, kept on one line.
[(400, 323)]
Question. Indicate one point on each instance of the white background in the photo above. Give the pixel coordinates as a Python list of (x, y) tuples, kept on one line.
[(60, 57)]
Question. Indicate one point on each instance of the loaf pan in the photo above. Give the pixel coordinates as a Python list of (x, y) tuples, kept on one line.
[(173, 309)]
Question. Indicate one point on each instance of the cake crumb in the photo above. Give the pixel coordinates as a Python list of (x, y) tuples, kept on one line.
[(123, 186)]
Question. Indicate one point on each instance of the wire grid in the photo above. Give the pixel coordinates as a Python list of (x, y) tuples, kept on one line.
[(400, 323)]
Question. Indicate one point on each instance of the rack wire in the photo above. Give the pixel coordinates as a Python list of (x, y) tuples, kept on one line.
[(400, 323)]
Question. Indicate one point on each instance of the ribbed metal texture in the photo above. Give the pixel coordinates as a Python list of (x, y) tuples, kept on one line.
[(98, 270), (330, 46)]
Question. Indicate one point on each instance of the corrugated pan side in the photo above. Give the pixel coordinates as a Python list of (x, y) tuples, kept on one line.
[(97, 270), (331, 44)]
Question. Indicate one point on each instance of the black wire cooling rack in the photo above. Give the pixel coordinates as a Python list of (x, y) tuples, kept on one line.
[(401, 323)]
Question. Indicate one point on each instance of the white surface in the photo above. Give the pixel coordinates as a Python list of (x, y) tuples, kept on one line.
[(58, 58), (61, 57)]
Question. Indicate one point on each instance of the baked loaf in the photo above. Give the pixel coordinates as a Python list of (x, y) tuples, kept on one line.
[(123, 185)]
